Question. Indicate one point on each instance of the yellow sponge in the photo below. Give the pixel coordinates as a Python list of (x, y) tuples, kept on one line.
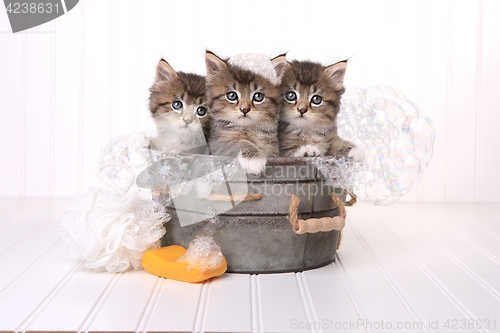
[(163, 262)]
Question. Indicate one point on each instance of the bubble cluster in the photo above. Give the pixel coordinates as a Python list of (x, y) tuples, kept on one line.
[(338, 171), (178, 172), (204, 253), (131, 151), (397, 139), (256, 63)]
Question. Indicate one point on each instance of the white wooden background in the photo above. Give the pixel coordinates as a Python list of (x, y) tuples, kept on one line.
[(69, 86)]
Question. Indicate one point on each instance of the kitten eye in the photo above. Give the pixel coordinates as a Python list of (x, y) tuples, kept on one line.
[(232, 96), (291, 96), (177, 105), (201, 112), (258, 97), (316, 99)]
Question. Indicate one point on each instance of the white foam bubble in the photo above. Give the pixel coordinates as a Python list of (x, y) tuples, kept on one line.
[(203, 252)]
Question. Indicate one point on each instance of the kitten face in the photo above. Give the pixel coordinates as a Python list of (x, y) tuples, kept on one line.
[(240, 96), (177, 102), (311, 94)]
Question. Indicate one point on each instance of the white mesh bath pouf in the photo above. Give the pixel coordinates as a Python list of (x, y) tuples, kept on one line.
[(110, 227)]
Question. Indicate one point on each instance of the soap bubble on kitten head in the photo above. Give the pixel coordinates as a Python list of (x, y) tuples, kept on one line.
[(397, 139)]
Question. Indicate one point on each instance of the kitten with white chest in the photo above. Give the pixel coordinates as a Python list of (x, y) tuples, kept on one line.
[(311, 96), (178, 106), (244, 109)]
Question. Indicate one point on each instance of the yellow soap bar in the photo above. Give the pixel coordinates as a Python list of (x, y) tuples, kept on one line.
[(163, 262)]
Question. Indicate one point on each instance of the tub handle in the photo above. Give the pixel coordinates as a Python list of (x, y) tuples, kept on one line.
[(313, 225)]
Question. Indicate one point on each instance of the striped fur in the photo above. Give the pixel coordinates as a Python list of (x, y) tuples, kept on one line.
[(306, 128), (178, 130), (254, 131)]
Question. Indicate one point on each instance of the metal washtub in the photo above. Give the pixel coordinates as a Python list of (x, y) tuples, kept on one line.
[(256, 236)]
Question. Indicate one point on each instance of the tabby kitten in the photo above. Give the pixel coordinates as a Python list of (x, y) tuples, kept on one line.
[(244, 109), (308, 119), (178, 107)]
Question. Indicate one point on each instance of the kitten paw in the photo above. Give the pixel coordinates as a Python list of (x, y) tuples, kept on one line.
[(357, 154), (307, 151), (253, 166)]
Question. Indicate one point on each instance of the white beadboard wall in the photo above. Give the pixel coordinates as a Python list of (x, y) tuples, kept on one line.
[(67, 87)]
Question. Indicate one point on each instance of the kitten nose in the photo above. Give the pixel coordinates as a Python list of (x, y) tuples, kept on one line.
[(244, 109), (302, 110), (188, 121)]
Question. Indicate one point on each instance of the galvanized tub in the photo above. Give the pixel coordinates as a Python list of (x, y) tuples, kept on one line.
[(256, 236)]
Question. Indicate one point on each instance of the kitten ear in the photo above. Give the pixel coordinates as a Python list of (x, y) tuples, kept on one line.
[(214, 65), (164, 72), (279, 64), (336, 73)]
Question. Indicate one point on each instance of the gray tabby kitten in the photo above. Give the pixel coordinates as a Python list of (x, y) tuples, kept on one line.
[(244, 109), (178, 106), (308, 119)]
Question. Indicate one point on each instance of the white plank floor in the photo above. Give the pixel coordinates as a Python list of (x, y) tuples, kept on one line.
[(403, 267)]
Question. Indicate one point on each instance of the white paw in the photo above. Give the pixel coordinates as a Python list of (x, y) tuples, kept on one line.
[(307, 151), (357, 154), (253, 166)]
